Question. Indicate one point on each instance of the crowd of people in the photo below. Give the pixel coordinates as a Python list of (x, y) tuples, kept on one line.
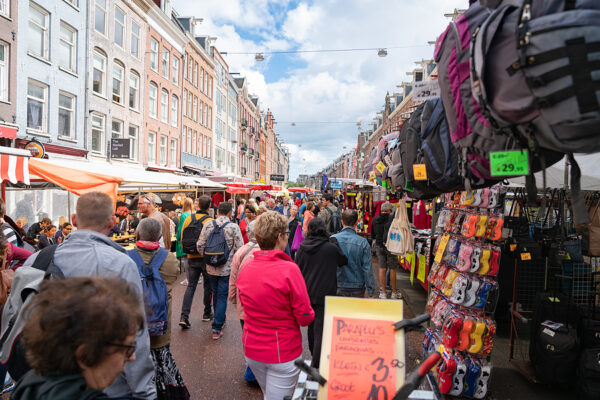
[(275, 259)]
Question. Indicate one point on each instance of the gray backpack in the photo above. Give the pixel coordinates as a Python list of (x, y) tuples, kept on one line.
[(535, 74)]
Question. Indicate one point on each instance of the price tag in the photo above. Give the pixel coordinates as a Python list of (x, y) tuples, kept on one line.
[(525, 256), (508, 163), (420, 172), (513, 247), (380, 167), (442, 247)]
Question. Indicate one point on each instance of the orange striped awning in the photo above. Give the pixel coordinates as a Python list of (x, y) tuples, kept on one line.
[(14, 168)]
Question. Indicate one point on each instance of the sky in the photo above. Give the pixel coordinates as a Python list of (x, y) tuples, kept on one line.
[(324, 94)]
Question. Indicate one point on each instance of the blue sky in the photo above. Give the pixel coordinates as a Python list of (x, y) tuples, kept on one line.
[(321, 87)]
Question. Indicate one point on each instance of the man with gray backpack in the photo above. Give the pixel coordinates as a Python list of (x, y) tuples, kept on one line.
[(218, 242), (331, 215)]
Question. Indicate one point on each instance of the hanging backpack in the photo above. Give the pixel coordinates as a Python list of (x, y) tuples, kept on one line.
[(400, 240), (216, 251), (191, 233), (533, 75), (156, 296)]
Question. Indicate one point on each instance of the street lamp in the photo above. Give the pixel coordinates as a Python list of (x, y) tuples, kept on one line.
[(382, 52), (259, 57)]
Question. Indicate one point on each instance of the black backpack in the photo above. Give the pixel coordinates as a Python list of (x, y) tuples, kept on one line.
[(335, 222), (588, 374), (191, 233)]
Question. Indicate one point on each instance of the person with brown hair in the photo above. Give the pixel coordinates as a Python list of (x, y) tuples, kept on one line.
[(147, 204), (47, 237), (97, 255), (79, 336), (38, 228), (276, 304), (308, 215)]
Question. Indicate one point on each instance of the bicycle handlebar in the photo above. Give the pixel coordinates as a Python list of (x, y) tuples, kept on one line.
[(413, 380), (411, 323)]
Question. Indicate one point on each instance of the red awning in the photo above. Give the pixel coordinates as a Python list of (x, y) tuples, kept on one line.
[(300, 189), (8, 132), (14, 168), (238, 190)]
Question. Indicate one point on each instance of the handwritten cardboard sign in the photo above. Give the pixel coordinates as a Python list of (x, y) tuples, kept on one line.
[(362, 361)]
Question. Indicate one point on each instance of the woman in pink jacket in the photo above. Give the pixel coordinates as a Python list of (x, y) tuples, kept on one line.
[(276, 304)]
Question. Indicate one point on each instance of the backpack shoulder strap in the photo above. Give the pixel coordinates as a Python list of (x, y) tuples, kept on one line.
[(44, 258), (225, 224), (158, 258), (193, 215), (134, 254), (204, 218)]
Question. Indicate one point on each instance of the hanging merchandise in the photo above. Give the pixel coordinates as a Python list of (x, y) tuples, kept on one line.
[(400, 240), (464, 290)]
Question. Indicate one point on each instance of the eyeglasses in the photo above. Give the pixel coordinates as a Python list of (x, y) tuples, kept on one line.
[(130, 348)]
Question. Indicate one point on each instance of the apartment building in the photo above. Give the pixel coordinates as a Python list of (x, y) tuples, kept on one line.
[(116, 55), (8, 71), (249, 132)]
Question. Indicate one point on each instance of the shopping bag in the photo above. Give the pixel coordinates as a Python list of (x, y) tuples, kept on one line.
[(298, 238)]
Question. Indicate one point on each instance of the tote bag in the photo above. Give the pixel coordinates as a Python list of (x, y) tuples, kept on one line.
[(298, 238), (400, 240)]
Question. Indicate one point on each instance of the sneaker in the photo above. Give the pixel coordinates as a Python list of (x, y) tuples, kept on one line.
[(184, 282), (208, 317), (185, 323), (217, 335), (8, 387), (382, 295), (397, 295)]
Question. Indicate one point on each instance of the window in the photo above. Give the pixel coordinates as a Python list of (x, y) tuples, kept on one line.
[(66, 115), (175, 72), (165, 63), (135, 39), (151, 148), (200, 113), (194, 144), (174, 110), (163, 150), (202, 80), (195, 109), (117, 129), (37, 102), (119, 27), (205, 85), (5, 8), (190, 109), (100, 16), (195, 75), (209, 154), (154, 54), (209, 120), (164, 106), (205, 117), (152, 100), (185, 111), (4, 63), (190, 67), (189, 141), (99, 73), (67, 46), (97, 132), (117, 86), (38, 31), (133, 134), (184, 139), (134, 90), (173, 155), (185, 63)]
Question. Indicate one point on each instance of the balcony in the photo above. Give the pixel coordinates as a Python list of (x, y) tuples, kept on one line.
[(252, 131), (244, 147), (258, 154), (244, 123)]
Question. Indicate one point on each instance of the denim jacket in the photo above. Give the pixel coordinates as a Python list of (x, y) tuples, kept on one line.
[(358, 274)]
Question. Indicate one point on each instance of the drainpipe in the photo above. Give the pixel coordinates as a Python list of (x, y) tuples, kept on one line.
[(86, 114)]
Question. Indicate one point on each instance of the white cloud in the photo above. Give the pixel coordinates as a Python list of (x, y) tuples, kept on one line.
[(335, 87)]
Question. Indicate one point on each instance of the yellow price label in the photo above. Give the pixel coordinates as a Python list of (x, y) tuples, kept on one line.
[(525, 256), (513, 247), (442, 247), (420, 172), (380, 167)]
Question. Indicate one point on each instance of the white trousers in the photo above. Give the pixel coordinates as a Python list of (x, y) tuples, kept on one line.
[(276, 380)]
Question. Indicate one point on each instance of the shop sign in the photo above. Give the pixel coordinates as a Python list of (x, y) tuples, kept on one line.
[(426, 90), (120, 148), (36, 148), (280, 178), (335, 185)]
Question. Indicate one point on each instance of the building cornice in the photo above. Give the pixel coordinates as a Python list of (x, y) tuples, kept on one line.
[(162, 23)]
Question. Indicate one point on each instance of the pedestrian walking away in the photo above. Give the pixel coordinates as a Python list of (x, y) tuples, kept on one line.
[(387, 261), (218, 242)]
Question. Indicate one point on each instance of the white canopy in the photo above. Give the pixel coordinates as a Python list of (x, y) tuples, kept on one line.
[(134, 176)]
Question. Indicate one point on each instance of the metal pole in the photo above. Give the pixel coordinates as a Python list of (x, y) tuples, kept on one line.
[(69, 206)]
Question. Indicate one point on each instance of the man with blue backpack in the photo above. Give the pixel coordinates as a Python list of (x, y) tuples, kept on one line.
[(218, 242)]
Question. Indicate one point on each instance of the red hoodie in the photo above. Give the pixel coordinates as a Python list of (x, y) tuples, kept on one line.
[(276, 304)]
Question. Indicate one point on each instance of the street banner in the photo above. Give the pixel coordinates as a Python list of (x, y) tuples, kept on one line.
[(362, 357), (425, 90)]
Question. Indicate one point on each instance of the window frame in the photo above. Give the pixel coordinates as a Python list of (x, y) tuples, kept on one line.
[(6, 12), (195, 109), (164, 107), (173, 152), (135, 75), (165, 68), (152, 111), (72, 111), (44, 30), (174, 110), (122, 24), (116, 66), (102, 92), (175, 70), (72, 45), (102, 117), (4, 72), (112, 128), (104, 10), (151, 154), (162, 151), (154, 54), (133, 150), (195, 143), (44, 102), (135, 37)]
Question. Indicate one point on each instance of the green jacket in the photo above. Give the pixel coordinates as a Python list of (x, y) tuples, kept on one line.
[(179, 251), (54, 387)]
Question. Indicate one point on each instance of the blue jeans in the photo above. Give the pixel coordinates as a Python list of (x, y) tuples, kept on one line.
[(220, 288)]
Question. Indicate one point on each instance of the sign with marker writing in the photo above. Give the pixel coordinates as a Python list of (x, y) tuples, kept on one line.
[(420, 172), (362, 357), (509, 163), (425, 90)]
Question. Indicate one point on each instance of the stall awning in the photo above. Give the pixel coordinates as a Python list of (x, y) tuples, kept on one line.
[(14, 168), (300, 189), (238, 190)]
